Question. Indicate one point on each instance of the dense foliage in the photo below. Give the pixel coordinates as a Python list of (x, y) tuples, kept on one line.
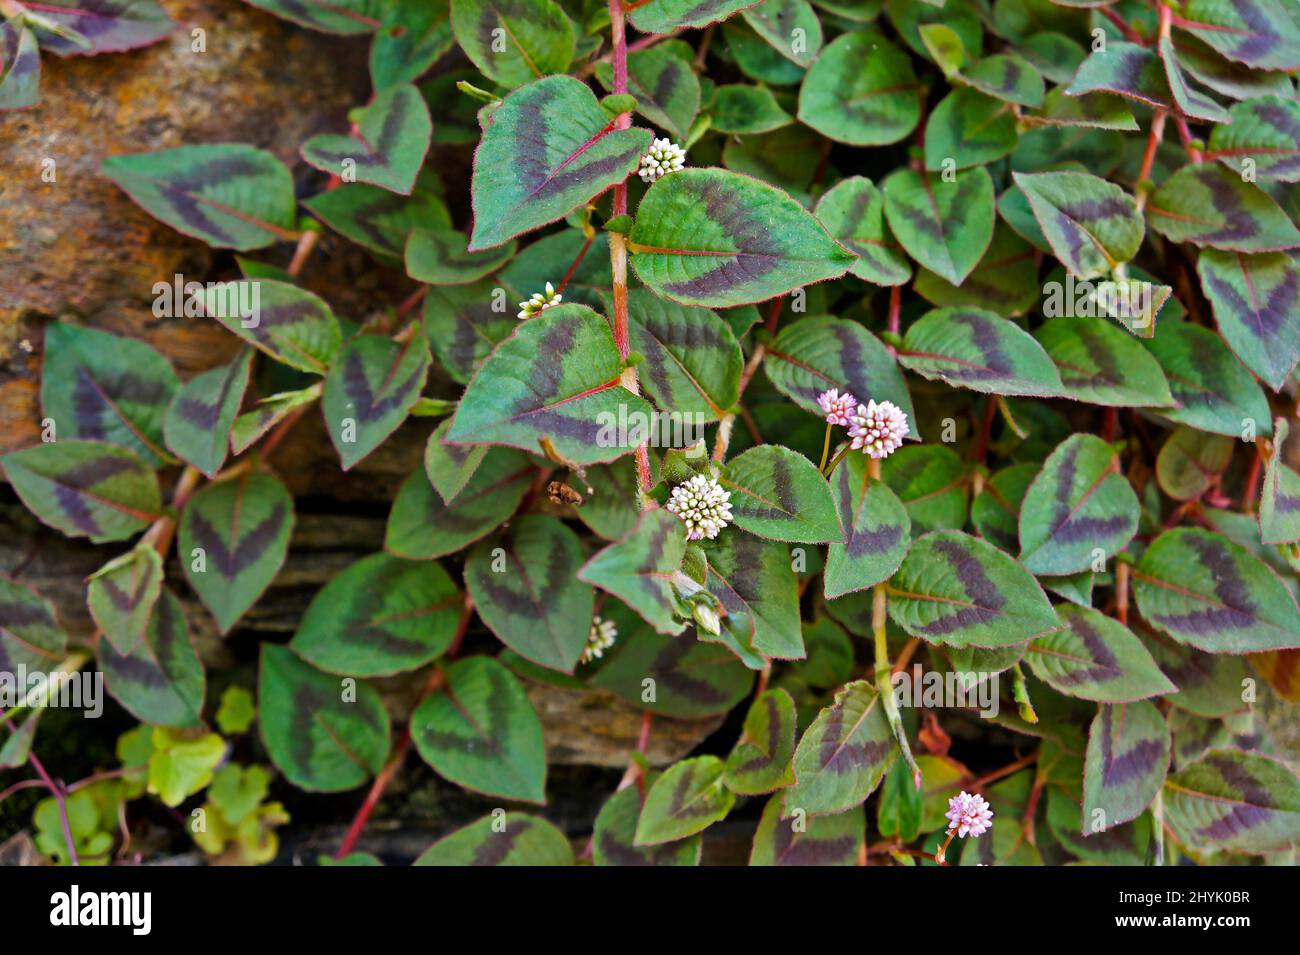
[(895, 375)]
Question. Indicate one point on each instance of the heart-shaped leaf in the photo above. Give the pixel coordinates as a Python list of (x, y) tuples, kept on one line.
[(1279, 501), (1103, 365), (370, 390), (640, 567), (548, 149), (514, 41), (946, 226), (862, 91), (820, 841), (290, 324), (30, 635), (1126, 762), (441, 257), (160, 680), (1206, 205), (1214, 391), (1092, 225), (121, 596), (761, 760), (1254, 299), (614, 833), (233, 538), (688, 798), (386, 146), (1265, 132), (667, 90), (481, 732), (325, 733), (1096, 658), (877, 530), (1235, 802), (843, 755), (977, 349), (202, 413), (422, 526), (853, 211), (523, 840), (779, 494)]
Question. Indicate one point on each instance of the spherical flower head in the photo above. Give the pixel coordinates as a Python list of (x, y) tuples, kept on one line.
[(969, 815), (540, 302), (665, 156), (601, 637), (878, 428), (836, 406), (702, 505)]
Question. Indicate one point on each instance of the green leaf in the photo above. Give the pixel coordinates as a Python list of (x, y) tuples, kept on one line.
[(1225, 77), (760, 762), (1229, 801), (931, 481), (103, 387), (1008, 77), (716, 238), (85, 488), (666, 16), (1259, 33), (667, 90), (1091, 110), (548, 149), (820, 841), (877, 530), (1191, 462), (233, 538), (236, 791), (440, 257), (780, 21), (946, 226), (1096, 658), (121, 596), (961, 591), (1265, 132), (640, 567), (556, 377), (688, 798), (290, 324), (237, 710), (465, 322), (843, 755), (1254, 299), (779, 494), (413, 36), (612, 840), (1092, 225), (1279, 502), (1126, 762), (202, 414), (1079, 508), (1207, 205), (228, 195), (30, 634), (526, 591), (501, 839), (1102, 365), (370, 390), (741, 110), (377, 219), (325, 733), (182, 763), (1005, 280), (968, 129), (977, 349), (901, 806), (1210, 593), (853, 211), (482, 733), (755, 581), (861, 91), (995, 512), (252, 426), (327, 16), (538, 38), (1190, 101), (1214, 391), (381, 615), (160, 679), (422, 526), (386, 146), (1126, 69), (20, 68)]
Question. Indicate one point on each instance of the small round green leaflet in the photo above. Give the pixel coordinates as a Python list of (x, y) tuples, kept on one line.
[(740, 110), (1191, 462), (504, 839), (861, 91), (1128, 755), (968, 128)]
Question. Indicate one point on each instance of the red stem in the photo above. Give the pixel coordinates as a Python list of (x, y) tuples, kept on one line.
[(582, 253)]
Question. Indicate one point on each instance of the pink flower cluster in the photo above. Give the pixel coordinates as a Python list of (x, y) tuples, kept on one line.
[(969, 815), (877, 428)]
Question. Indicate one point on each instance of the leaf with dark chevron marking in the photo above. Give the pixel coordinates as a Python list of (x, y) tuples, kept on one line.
[(370, 390), (1125, 69), (1206, 205), (1235, 80), (779, 494), (1265, 131), (380, 220), (290, 324), (821, 352), (931, 481), (1005, 280), (1092, 225), (717, 238), (755, 581), (640, 567), (412, 36), (1236, 802), (548, 149), (1080, 503), (861, 91), (1190, 462), (1213, 389), (556, 377), (666, 16), (1188, 100), (381, 615), (688, 798), (327, 16), (995, 511), (969, 129), (30, 634), (843, 755), (1126, 762), (450, 467), (100, 26), (959, 590), (1209, 686), (946, 226), (525, 840), (121, 596), (853, 211), (227, 194), (1212, 594), (160, 681), (481, 732), (667, 90), (1102, 365), (387, 143), (1259, 33), (1097, 659), (1009, 77), (614, 833), (820, 841), (761, 760), (530, 596), (233, 538), (85, 488), (537, 36), (323, 734), (1256, 301), (980, 350), (440, 257), (202, 413), (1092, 110), (778, 21), (422, 526), (103, 387), (690, 678), (465, 322), (877, 530), (20, 72), (1279, 501)]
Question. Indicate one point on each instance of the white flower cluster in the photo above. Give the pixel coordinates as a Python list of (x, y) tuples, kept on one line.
[(540, 302), (878, 428), (665, 156), (601, 638), (702, 505)]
